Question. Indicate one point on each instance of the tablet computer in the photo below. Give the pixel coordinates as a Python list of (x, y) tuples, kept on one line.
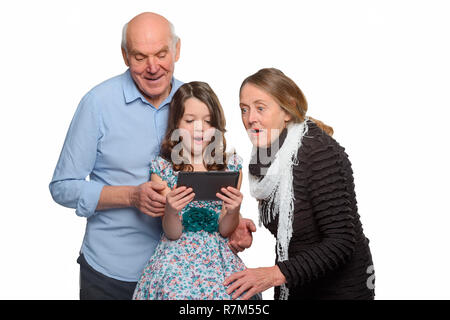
[(207, 184)]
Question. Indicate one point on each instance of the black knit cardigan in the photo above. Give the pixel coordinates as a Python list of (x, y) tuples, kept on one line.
[(329, 256)]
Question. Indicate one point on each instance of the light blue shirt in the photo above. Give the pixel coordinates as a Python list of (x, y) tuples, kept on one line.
[(113, 136)]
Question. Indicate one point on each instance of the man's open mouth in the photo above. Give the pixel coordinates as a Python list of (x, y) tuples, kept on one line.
[(154, 78)]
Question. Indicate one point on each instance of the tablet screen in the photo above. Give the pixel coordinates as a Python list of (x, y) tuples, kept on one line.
[(207, 184)]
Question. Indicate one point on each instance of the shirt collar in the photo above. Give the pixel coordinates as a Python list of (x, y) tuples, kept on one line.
[(132, 93)]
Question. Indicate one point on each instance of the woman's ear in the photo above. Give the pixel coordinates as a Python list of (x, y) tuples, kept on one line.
[(287, 117)]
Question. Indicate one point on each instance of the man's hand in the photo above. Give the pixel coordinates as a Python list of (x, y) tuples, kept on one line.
[(242, 238), (147, 198)]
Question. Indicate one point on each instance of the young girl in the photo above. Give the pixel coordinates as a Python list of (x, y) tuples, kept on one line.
[(193, 258)]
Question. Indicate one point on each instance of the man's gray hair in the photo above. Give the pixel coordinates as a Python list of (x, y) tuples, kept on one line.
[(172, 33)]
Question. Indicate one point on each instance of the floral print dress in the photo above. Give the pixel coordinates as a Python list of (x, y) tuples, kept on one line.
[(195, 266)]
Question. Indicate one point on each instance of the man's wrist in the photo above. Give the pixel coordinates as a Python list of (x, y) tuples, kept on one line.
[(132, 195)]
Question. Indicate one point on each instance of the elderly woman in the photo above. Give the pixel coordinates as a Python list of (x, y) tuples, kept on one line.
[(303, 181)]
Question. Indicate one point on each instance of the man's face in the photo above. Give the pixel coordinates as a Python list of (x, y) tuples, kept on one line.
[(151, 57)]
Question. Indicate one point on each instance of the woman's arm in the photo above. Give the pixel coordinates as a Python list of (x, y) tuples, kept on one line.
[(330, 189), (229, 218), (331, 194)]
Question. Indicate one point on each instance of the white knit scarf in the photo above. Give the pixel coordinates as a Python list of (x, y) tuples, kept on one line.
[(276, 189)]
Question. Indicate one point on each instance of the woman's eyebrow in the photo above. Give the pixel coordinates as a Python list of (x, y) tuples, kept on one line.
[(261, 102)]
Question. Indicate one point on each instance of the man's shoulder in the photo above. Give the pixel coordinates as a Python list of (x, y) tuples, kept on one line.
[(109, 87)]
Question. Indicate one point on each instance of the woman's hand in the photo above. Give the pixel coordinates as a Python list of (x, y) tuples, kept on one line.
[(254, 281), (177, 199), (232, 199)]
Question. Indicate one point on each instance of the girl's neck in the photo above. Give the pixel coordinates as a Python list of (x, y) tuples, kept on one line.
[(196, 162)]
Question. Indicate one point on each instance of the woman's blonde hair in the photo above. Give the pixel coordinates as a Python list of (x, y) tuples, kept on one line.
[(286, 93)]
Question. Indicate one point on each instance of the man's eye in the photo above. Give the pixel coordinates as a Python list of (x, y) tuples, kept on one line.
[(260, 109), (243, 110), (139, 58), (162, 55)]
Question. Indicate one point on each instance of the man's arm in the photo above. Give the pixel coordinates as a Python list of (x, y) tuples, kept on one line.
[(77, 159), (146, 197)]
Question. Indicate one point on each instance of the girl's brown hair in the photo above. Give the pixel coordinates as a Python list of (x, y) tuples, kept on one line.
[(286, 92), (203, 92)]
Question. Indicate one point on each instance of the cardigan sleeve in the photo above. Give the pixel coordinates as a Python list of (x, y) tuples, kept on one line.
[(330, 189)]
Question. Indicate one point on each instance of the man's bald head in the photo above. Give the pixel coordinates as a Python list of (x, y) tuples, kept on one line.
[(148, 21), (150, 49)]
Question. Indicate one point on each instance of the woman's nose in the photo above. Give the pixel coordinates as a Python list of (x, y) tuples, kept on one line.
[(252, 116)]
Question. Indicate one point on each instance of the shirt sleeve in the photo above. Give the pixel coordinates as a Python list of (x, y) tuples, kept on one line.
[(234, 162), (331, 195), (69, 186)]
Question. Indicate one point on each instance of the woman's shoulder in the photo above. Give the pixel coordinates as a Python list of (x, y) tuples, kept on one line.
[(318, 148), (316, 140)]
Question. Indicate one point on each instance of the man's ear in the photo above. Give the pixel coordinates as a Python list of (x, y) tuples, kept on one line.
[(177, 50), (125, 57)]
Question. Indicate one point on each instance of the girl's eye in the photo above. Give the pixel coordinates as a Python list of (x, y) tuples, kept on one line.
[(189, 121), (208, 121)]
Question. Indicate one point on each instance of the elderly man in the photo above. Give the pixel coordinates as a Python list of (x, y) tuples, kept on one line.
[(116, 130)]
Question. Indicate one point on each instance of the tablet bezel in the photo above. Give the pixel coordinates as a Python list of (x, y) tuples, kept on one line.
[(207, 183)]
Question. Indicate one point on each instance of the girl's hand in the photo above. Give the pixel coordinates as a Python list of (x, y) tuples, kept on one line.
[(232, 199), (177, 199)]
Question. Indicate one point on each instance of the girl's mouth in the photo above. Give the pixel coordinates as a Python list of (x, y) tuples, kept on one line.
[(198, 140)]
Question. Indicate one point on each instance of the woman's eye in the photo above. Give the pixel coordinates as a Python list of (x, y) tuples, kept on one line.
[(189, 121)]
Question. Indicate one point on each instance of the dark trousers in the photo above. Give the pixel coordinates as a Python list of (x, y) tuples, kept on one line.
[(97, 286)]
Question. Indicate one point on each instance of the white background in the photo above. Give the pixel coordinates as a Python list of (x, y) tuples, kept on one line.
[(377, 71)]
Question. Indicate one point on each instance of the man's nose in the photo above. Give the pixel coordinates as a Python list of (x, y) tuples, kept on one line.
[(152, 65)]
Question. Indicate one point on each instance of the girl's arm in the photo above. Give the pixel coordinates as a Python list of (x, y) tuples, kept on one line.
[(232, 199)]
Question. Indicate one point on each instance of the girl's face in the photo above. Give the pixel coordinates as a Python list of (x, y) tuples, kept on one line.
[(261, 115), (195, 126)]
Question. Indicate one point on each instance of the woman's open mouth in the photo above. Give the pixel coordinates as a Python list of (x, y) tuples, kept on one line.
[(255, 131)]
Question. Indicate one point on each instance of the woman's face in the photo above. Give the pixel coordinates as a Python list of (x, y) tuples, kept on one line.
[(262, 116), (195, 126)]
